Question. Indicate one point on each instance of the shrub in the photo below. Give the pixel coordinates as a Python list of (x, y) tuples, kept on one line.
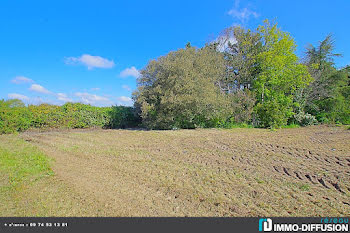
[(305, 119), (77, 115), (122, 117), (14, 116), (290, 126), (273, 113), (46, 116)]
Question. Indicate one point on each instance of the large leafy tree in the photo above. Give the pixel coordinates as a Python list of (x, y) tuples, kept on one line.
[(327, 96), (240, 48), (320, 62), (178, 90), (280, 76)]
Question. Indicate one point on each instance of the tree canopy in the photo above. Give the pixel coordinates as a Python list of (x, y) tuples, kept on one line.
[(244, 76), (179, 90)]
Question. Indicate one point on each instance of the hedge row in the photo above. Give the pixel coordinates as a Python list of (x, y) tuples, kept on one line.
[(16, 117)]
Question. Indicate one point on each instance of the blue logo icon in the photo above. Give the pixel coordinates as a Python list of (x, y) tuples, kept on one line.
[(265, 224)]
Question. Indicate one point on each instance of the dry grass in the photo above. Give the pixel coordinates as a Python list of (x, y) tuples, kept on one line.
[(208, 172)]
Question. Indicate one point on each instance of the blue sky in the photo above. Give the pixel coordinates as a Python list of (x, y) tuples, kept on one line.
[(91, 51)]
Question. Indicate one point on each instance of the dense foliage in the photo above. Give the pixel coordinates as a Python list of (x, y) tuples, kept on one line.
[(244, 77), (179, 91), (15, 116), (328, 97), (280, 76)]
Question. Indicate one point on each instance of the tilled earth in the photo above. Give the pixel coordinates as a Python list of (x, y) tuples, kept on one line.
[(206, 172)]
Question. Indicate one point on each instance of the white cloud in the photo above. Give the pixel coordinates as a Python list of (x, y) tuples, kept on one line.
[(21, 80), (90, 61), (63, 97), (123, 100), (38, 88), (242, 14), (95, 89), (132, 71), (18, 96), (92, 99), (126, 87)]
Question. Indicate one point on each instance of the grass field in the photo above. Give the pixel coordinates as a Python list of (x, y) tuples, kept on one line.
[(205, 172)]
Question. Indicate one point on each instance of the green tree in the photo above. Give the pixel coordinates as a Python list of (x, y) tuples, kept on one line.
[(240, 48), (178, 90), (327, 96), (280, 76)]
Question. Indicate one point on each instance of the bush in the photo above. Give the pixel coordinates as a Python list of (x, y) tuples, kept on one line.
[(46, 116), (231, 124), (77, 115), (305, 119), (273, 114), (290, 126), (122, 117), (16, 117)]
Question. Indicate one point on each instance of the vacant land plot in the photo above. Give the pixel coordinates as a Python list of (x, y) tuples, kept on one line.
[(207, 172)]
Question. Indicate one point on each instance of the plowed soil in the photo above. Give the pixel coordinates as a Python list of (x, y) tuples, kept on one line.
[(205, 172)]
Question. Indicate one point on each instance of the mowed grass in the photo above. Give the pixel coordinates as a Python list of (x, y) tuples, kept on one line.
[(22, 162), (205, 172), (28, 186)]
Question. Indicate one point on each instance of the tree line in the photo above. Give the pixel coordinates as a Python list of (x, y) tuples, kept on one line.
[(244, 77)]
